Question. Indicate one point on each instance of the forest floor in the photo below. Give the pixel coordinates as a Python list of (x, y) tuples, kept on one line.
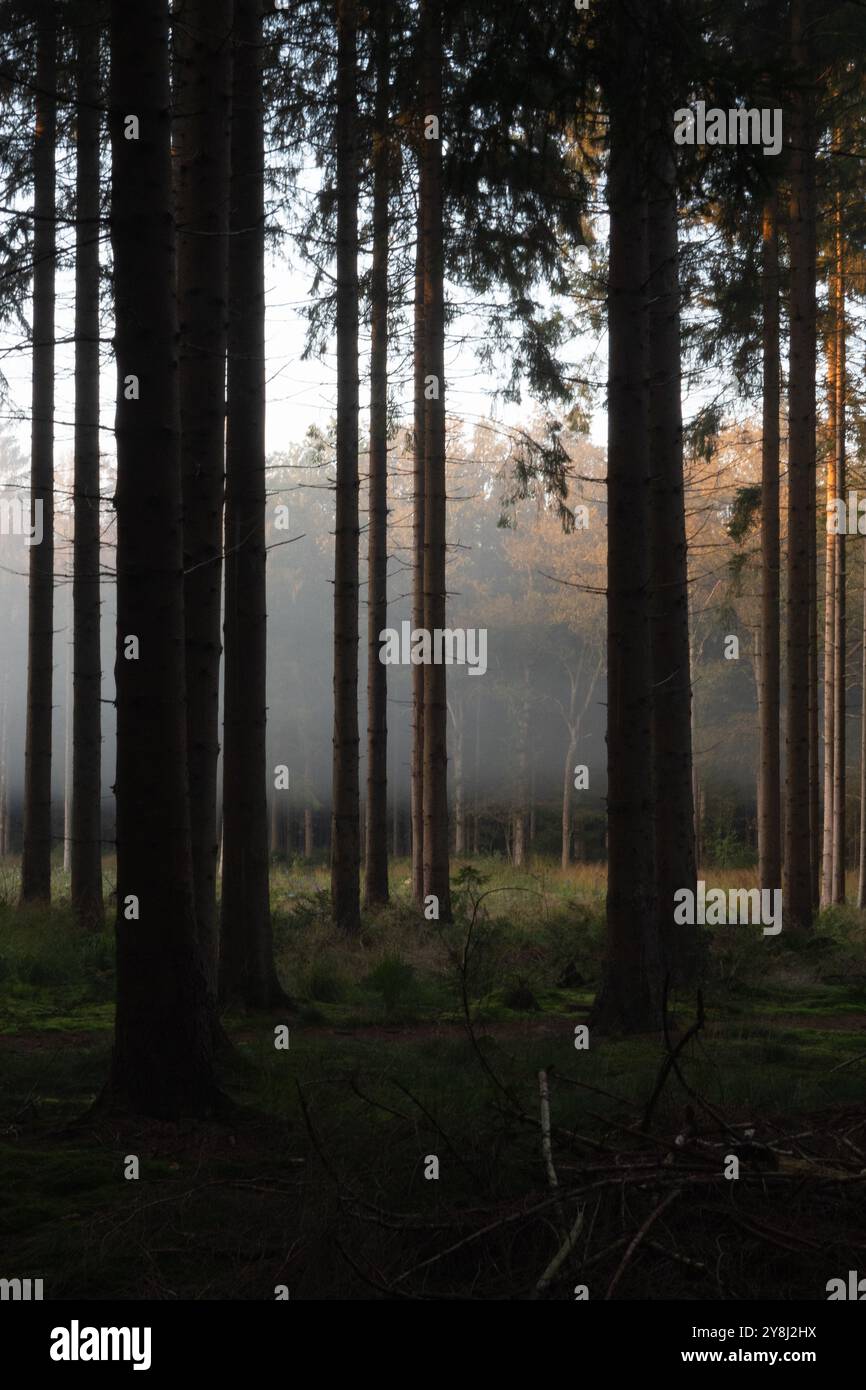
[(405, 1048)]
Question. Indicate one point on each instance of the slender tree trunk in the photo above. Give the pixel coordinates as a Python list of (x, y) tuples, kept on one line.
[(345, 846), (67, 748), (162, 1049), (673, 817), (861, 874), (459, 781), (522, 788), (769, 778), (436, 867), (201, 136), (630, 994), (376, 859), (567, 784), (830, 555), (308, 833), (533, 807), (36, 858), (837, 448), (246, 969), (476, 776), (4, 777), (801, 465), (814, 721), (417, 764), (86, 829)]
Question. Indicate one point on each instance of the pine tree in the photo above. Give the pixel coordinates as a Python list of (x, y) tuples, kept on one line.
[(345, 837), (161, 1064), (201, 171), (86, 819), (36, 857)]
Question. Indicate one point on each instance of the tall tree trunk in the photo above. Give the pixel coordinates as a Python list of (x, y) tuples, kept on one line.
[(36, 857), (201, 168), (814, 720), (801, 466), (67, 746), (4, 777), (830, 555), (418, 508), (345, 847), (476, 777), (630, 994), (673, 817), (246, 970), (376, 857), (436, 867), (86, 830), (837, 448), (861, 873), (162, 1048), (769, 777)]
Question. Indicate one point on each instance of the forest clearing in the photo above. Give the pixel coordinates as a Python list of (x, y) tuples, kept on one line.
[(381, 1069)]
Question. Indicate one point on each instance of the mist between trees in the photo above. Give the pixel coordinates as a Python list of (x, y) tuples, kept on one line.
[(499, 195)]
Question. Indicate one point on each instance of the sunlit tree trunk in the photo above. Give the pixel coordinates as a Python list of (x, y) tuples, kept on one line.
[(838, 448), (801, 467)]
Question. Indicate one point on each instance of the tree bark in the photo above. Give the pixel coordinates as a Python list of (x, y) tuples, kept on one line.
[(201, 163), (246, 969), (67, 746), (630, 994), (376, 857), (417, 755), (162, 1049), (838, 448), (436, 866), (345, 841), (801, 466), (567, 784), (769, 777), (459, 779), (673, 818), (861, 874), (86, 822), (36, 856)]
